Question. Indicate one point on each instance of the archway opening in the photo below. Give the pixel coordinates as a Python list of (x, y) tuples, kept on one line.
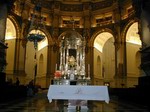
[(104, 49), (40, 60), (10, 40), (133, 45)]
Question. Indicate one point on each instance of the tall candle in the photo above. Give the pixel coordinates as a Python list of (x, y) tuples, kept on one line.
[(56, 67), (88, 70)]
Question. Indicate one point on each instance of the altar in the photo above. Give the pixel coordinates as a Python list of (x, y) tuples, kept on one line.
[(78, 92), (72, 78)]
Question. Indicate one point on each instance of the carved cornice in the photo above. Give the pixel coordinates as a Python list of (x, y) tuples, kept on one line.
[(101, 5), (71, 7), (44, 3), (74, 7)]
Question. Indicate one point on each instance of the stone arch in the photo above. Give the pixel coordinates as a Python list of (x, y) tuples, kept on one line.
[(132, 46), (123, 35), (12, 34), (47, 34), (107, 59), (31, 53), (16, 25), (91, 42)]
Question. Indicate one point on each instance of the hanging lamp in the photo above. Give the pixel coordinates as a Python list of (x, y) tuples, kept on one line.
[(36, 25)]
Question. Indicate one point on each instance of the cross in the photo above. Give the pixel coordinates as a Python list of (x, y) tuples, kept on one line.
[(73, 22)]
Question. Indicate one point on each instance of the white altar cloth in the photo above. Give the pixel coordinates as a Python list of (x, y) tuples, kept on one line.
[(78, 92)]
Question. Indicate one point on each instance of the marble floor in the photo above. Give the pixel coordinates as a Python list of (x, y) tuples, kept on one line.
[(40, 103)]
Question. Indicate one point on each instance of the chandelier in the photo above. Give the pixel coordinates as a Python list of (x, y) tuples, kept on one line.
[(36, 24), (35, 34)]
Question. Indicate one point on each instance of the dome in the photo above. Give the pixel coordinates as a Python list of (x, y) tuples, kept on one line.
[(72, 39)]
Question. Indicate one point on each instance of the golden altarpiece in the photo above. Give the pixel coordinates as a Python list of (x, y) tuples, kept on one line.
[(71, 69)]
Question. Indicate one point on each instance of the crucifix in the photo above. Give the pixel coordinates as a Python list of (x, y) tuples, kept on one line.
[(73, 22)]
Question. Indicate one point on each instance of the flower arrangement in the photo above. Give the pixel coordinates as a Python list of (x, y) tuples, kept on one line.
[(57, 74)]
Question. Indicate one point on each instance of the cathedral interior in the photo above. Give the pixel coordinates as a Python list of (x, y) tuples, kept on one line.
[(115, 34)]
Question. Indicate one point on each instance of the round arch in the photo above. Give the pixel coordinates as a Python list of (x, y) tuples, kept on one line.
[(132, 46), (42, 43), (91, 42), (41, 51), (11, 35), (16, 26), (127, 26), (105, 39), (46, 34)]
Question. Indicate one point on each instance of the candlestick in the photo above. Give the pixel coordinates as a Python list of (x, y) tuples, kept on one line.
[(56, 67), (88, 70)]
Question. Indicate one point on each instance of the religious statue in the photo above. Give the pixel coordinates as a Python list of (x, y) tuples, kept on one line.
[(72, 61)]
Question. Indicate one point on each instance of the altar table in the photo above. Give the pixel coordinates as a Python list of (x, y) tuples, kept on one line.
[(78, 92)]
